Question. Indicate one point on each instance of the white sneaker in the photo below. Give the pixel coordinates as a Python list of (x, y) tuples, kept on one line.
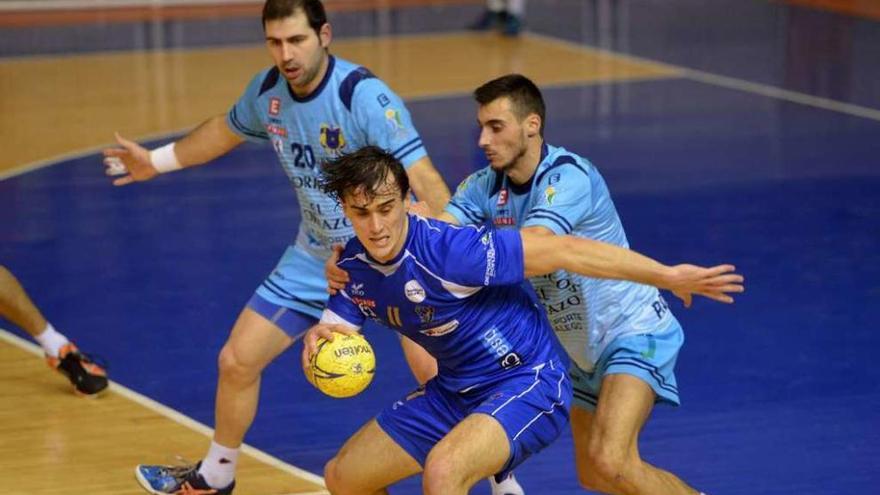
[(508, 486)]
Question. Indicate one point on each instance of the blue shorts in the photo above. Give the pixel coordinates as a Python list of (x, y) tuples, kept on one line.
[(297, 283), (532, 406), (293, 322), (649, 357)]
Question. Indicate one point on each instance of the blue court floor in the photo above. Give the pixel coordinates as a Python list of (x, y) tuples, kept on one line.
[(780, 394)]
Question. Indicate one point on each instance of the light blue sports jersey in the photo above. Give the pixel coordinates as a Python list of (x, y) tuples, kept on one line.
[(568, 196), (350, 109), (457, 292)]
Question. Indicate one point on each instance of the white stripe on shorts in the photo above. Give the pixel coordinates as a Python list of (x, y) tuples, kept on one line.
[(549, 411), (537, 369)]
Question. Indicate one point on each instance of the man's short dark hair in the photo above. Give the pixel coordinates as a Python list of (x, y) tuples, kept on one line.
[(525, 97), (366, 169), (274, 10)]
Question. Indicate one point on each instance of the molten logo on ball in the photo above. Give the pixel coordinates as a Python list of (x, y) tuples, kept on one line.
[(343, 367)]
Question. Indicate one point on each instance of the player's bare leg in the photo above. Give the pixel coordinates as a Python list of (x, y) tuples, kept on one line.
[(606, 444), (368, 463), (87, 378), (424, 367), (253, 343), (475, 449), (17, 307)]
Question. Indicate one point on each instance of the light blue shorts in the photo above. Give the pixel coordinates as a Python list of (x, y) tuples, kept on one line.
[(292, 321), (297, 282), (649, 357), (531, 405)]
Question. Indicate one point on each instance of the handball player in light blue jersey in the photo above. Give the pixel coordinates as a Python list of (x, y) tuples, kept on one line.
[(621, 336), (310, 107)]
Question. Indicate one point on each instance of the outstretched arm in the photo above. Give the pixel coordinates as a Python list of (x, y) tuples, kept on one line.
[(545, 253), (131, 162)]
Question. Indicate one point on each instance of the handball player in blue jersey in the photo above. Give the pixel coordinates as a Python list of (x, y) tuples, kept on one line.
[(502, 392), (310, 107), (621, 337)]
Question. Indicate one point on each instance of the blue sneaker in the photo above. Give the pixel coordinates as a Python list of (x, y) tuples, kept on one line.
[(177, 480)]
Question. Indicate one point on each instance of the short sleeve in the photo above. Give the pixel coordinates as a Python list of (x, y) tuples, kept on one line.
[(244, 116), (563, 195), (386, 121), (342, 309), (469, 203), (483, 256)]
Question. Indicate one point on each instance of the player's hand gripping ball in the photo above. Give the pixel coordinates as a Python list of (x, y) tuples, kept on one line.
[(343, 367)]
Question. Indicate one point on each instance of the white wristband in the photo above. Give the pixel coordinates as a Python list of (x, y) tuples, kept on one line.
[(164, 160)]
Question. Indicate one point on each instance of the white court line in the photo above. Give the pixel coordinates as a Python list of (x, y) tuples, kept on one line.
[(731, 82), (179, 418), (696, 75)]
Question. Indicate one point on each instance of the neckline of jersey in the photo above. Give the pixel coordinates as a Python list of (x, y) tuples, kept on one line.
[(331, 63), (410, 227), (526, 186)]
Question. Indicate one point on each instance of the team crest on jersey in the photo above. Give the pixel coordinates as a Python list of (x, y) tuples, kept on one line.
[(332, 139), (394, 122), (549, 194), (502, 197), (274, 106), (426, 314)]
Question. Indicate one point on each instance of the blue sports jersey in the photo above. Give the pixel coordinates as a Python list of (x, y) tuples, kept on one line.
[(455, 291), (350, 109), (567, 195)]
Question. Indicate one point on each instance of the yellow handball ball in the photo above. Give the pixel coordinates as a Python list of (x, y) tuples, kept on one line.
[(343, 367)]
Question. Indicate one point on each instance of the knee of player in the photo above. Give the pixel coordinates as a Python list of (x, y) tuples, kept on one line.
[(334, 478), (610, 463), (440, 473), (232, 368), (5, 275), (331, 478)]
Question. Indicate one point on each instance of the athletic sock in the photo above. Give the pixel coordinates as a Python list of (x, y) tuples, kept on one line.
[(51, 340), (218, 466)]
